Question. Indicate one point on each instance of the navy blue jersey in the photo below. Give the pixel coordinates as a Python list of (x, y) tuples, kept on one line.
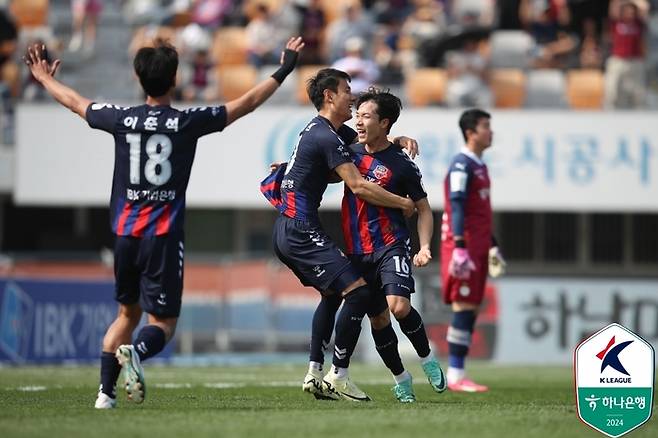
[(154, 150), (368, 228), (320, 150)]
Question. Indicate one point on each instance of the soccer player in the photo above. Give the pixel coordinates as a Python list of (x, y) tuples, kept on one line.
[(378, 240), (468, 249), (154, 150), (300, 242)]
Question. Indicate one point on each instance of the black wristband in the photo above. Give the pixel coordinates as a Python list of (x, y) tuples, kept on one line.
[(460, 243), (289, 61)]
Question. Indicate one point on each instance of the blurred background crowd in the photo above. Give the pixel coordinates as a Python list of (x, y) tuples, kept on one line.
[(594, 54)]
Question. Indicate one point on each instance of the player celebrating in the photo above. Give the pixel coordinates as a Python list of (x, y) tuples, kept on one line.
[(467, 244), (377, 239), (301, 243), (154, 150)]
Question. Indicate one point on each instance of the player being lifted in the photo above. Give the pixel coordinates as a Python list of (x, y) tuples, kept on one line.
[(378, 239), (154, 150), (468, 249), (301, 243)]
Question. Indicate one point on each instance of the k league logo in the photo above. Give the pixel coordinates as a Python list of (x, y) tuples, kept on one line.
[(614, 371)]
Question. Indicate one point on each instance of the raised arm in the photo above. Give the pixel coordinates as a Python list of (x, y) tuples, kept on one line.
[(253, 98), (425, 229), (36, 60), (371, 192)]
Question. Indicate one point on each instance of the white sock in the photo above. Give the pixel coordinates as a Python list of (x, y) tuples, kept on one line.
[(426, 359), (340, 372), (314, 366), (402, 377), (455, 374)]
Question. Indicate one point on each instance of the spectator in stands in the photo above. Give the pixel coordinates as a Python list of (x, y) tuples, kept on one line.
[(590, 55), (547, 22), (85, 15), (625, 75), (312, 27), (467, 77), (197, 81), (352, 23), (473, 13), (364, 72), (423, 26), (209, 13), (262, 38)]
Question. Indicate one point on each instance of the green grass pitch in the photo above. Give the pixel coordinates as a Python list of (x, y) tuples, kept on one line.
[(267, 401)]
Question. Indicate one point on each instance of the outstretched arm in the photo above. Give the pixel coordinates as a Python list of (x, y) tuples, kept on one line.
[(253, 98), (36, 60)]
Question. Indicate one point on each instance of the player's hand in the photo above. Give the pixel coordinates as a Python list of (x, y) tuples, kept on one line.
[(36, 58), (291, 52), (497, 263), (423, 257), (409, 208), (408, 144), (461, 264), (274, 166)]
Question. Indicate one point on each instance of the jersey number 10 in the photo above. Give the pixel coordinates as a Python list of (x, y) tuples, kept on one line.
[(157, 169)]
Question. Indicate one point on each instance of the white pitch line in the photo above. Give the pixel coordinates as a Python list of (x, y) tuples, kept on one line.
[(31, 388)]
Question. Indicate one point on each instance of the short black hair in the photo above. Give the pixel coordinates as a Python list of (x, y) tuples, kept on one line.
[(388, 105), (156, 68), (470, 118), (325, 79)]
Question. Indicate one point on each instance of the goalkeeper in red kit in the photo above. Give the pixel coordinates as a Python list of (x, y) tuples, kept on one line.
[(468, 250)]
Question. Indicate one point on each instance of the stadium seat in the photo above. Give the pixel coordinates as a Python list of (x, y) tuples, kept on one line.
[(30, 13), (546, 89), (508, 87), (510, 49), (230, 46), (305, 73), (426, 86), (585, 89), (235, 80)]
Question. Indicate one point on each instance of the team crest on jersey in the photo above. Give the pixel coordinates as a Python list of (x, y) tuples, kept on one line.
[(380, 171)]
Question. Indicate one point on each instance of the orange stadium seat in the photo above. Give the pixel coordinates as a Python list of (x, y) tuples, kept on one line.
[(230, 46), (305, 73), (508, 87), (30, 13), (585, 89), (235, 80), (426, 86)]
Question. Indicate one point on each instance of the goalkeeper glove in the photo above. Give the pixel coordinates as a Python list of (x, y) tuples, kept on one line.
[(461, 264), (497, 263)]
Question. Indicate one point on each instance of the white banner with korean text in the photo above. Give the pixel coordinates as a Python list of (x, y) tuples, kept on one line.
[(541, 321), (540, 160)]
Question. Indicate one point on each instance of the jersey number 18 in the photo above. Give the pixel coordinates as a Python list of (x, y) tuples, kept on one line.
[(157, 169)]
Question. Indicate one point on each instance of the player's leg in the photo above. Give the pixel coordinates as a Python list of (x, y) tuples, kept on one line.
[(412, 326), (386, 343), (161, 288), (126, 276), (322, 328), (356, 301), (119, 332), (465, 298), (396, 276)]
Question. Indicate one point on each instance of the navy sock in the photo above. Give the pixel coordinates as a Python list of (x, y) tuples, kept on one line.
[(149, 342), (348, 325), (323, 326), (110, 370), (412, 326), (386, 342), (459, 337)]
